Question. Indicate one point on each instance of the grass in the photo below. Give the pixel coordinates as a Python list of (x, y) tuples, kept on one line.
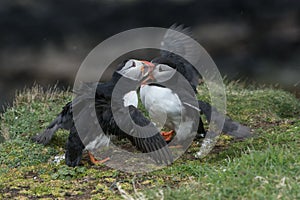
[(263, 167)]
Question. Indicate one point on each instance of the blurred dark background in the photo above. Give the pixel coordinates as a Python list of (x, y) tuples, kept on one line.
[(46, 41)]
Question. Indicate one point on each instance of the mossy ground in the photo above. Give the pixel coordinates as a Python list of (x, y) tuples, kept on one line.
[(263, 167)]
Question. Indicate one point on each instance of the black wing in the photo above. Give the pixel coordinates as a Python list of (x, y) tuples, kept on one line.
[(177, 42), (230, 127), (147, 138), (133, 125), (64, 120), (118, 120)]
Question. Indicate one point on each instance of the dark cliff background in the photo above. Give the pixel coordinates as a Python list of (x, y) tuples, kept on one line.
[(46, 41)]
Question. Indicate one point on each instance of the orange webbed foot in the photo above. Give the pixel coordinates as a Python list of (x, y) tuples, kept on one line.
[(167, 135), (95, 161)]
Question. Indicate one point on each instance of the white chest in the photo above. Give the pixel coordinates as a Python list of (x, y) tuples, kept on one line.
[(163, 105)]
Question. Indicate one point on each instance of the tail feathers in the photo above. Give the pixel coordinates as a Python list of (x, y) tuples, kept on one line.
[(230, 127)]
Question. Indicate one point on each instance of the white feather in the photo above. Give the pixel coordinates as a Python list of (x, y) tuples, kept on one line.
[(163, 105), (100, 141), (131, 98)]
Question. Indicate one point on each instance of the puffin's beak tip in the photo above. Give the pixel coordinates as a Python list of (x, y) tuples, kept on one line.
[(149, 67)]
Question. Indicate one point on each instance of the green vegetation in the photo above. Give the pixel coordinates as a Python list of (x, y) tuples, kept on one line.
[(264, 167)]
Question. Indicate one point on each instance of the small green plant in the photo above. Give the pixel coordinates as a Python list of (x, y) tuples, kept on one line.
[(67, 173)]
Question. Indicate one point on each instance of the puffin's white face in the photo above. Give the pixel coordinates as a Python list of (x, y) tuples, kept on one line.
[(136, 69), (163, 72)]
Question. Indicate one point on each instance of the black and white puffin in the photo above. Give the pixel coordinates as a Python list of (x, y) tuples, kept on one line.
[(171, 103), (173, 98), (168, 97), (130, 73)]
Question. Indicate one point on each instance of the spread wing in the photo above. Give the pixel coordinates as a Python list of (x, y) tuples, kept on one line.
[(178, 47), (230, 127), (177, 41), (116, 119), (143, 134)]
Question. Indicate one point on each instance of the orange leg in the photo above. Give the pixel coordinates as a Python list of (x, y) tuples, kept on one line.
[(95, 161), (167, 135)]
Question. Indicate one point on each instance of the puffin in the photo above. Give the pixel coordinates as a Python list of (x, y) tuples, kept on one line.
[(172, 98), (115, 106), (172, 105)]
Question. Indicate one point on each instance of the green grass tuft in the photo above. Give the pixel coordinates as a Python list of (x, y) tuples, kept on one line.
[(263, 167)]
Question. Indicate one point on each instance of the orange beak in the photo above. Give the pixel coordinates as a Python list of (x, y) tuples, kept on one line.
[(150, 67), (147, 63)]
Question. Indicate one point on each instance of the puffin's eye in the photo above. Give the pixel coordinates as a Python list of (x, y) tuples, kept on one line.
[(160, 69), (133, 64), (129, 64), (163, 68)]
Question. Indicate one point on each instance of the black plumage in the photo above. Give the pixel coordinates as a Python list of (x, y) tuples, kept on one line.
[(179, 44), (146, 139)]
